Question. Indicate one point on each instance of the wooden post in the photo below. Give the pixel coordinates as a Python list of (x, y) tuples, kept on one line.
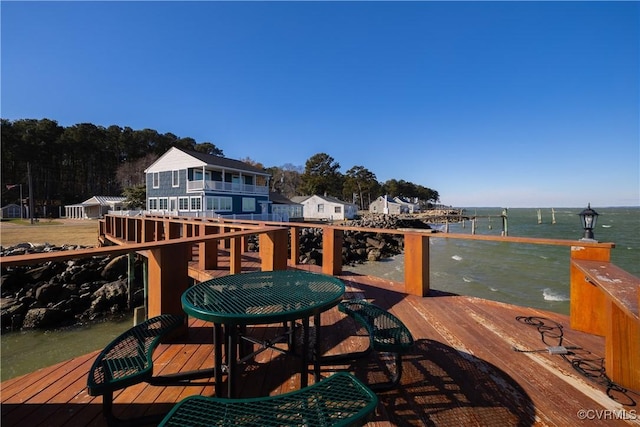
[(587, 309), (208, 251), (273, 250), (622, 347), (235, 255), (416, 264), (294, 241), (332, 251), (505, 223), (168, 279), (226, 244)]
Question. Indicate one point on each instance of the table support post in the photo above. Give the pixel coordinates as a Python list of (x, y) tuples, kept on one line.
[(232, 357), (304, 372), (316, 347), (217, 358)]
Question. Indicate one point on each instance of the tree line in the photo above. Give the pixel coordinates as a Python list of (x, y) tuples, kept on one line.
[(70, 164)]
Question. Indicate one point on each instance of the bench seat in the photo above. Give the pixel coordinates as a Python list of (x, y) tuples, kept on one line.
[(128, 360), (386, 332), (339, 400)]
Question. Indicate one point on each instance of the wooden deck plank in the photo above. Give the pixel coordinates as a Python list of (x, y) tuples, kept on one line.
[(463, 369)]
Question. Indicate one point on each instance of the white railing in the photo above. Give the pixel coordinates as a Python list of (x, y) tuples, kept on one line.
[(228, 187), (126, 213)]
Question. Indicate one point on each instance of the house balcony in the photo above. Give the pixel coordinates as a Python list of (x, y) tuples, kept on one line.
[(227, 187)]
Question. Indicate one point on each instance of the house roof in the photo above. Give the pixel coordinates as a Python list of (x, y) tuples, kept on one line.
[(211, 160), (279, 199), (330, 199), (103, 200), (299, 199)]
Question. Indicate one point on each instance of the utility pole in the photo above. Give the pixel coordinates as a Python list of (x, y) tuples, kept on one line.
[(30, 192)]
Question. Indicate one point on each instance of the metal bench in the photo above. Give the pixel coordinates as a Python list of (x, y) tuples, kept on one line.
[(128, 360), (386, 332), (339, 400)]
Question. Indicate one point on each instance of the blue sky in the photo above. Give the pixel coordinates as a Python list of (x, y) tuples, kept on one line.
[(511, 104)]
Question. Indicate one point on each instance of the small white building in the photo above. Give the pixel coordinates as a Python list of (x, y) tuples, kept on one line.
[(95, 207), (387, 206), (410, 207), (326, 208), (393, 206)]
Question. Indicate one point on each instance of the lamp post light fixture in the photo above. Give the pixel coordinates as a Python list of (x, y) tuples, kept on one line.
[(589, 217)]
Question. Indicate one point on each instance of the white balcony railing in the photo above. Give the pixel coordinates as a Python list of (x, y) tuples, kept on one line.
[(228, 187)]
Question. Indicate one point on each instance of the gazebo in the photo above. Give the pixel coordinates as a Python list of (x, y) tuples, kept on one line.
[(95, 207)]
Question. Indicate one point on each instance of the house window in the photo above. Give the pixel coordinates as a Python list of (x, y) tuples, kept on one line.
[(337, 209), (175, 179), (163, 203), (196, 203), (183, 203), (197, 174), (321, 207), (156, 179), (248, 204), (219, 204), (153, 204)]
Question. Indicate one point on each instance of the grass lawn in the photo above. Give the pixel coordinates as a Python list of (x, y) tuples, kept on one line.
[(56, 232)]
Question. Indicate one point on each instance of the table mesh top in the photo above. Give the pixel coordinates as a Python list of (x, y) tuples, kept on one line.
[(262, 297)]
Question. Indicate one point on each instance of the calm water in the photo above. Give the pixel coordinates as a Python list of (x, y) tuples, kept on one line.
[(528, 275), (24, 352)]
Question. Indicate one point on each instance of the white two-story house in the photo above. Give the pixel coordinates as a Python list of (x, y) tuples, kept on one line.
[(189, 183)]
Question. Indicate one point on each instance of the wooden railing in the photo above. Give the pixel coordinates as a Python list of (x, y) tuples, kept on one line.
[(604, 298)]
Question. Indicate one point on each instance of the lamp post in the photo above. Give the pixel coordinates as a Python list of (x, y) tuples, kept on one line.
[(589, 218)]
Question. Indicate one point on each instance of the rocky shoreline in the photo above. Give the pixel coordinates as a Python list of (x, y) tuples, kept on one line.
[(58, 294)]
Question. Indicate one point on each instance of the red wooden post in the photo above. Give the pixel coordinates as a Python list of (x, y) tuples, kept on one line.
[(273, 250), (294, 241), (416, 264), (208, 251), (332, 251), (168, 279), (588, 304), (235, 255)]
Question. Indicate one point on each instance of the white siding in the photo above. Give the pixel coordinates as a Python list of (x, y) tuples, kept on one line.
[(174, 159), (316, 207)]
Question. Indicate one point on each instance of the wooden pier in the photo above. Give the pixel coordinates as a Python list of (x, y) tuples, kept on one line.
[(476, 362)]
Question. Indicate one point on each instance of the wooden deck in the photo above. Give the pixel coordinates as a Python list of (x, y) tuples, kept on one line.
[(464, 370)]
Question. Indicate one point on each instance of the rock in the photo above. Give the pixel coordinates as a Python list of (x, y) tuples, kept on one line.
[(116, 268), (110, 298), (56, 294), (45, 318), (51, 293)]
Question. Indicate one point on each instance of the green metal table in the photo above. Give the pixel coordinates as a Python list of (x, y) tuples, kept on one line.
[(260, 298)]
